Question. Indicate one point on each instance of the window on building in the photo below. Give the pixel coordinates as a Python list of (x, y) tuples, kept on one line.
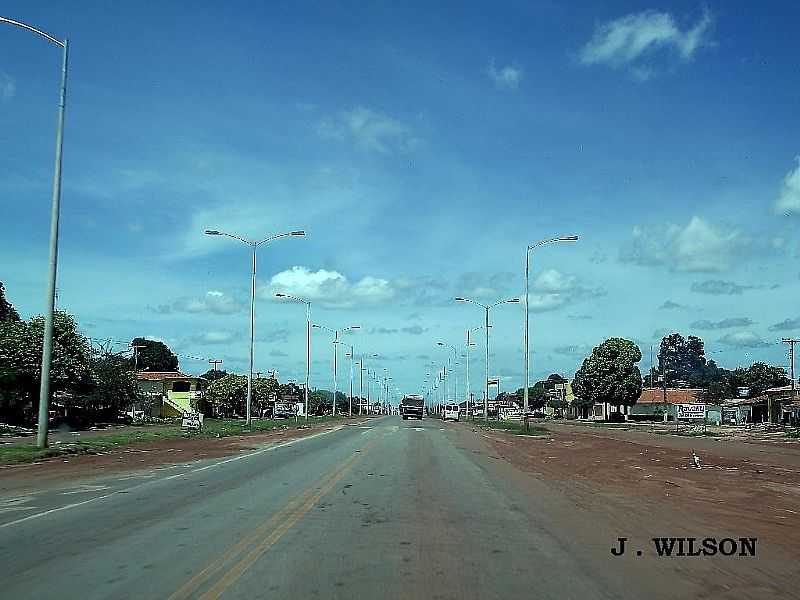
[(181, 386)]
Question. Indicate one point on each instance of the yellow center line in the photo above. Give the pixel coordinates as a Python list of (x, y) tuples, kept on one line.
[(239, 569), (294, 510)]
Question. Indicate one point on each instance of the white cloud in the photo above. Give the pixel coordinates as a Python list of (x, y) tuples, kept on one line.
[(625, 40), (369, 130), (214, 302), (554, 281), (7, 87), (788, 201), (507, 77), (330, 288), (743, 339), (552, 289), (698, 247), (213, 337)]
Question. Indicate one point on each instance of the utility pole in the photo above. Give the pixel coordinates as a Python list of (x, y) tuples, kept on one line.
[(791, 342), (136, 358), (215, 362)]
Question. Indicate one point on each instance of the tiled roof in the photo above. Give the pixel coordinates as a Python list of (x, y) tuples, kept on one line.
[(674, 396)]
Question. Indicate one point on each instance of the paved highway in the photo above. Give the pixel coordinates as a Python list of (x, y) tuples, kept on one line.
[(382, 509)]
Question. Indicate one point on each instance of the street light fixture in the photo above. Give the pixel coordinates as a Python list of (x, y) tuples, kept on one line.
[(563, 238), (55, 213), (487, 308), (335, 333), (253, 244), (308, 342)]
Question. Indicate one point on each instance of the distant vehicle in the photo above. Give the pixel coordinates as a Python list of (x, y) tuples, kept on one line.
[(412, 407), (450, 412)]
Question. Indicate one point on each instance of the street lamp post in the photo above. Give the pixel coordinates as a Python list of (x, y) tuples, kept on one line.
[(350, 405), (253, 245), (55, 213), (335, 333), (563, 238), (308, 342), (469, 343), (487, 308), (454, 371)]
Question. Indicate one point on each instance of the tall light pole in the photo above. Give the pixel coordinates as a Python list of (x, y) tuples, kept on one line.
[(469, 343), (253, 245), (350, 404), (335, 333), (487, 308), (308, 342), (55, 213), (455, 362), (563, 238), (361, 370)]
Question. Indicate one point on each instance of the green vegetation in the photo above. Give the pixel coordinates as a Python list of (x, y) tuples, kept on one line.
[(610, 375), (122, 438), (516, 427)]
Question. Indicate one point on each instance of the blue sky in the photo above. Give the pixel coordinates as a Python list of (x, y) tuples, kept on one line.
[(421, 148)]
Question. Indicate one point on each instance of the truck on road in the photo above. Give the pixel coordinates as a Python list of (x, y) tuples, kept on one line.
[(412, 406)]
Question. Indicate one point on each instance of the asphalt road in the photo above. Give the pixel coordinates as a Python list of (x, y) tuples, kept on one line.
[(384, 509)]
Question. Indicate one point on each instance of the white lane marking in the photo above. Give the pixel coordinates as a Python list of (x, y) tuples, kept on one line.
[(419, 429), (125, 491), (14, 504), (85, 489)]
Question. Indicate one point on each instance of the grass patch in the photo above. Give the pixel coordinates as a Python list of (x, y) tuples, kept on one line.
[(793, 433), (515, 427), (212, 428)]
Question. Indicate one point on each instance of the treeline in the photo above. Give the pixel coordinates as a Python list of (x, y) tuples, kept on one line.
[(99, 383), (226, 395), (682, 363), (611, 375)]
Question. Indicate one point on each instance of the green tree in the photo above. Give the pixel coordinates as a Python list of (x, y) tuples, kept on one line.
[(21, 360), (7, 311), (213, 375), (114, 386), (537, 395), (319, 401), (265, 390), (154, 356), (759, 377), (610, 375), (681, 359), (228, 395)]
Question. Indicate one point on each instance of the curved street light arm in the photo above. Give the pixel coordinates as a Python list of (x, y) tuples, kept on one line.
[(234, 236), (562, 238), (39, 32), (279, 235), (460, 299), (290, 297)]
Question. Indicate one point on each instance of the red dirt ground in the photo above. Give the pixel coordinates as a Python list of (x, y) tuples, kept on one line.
[(644, 487)]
